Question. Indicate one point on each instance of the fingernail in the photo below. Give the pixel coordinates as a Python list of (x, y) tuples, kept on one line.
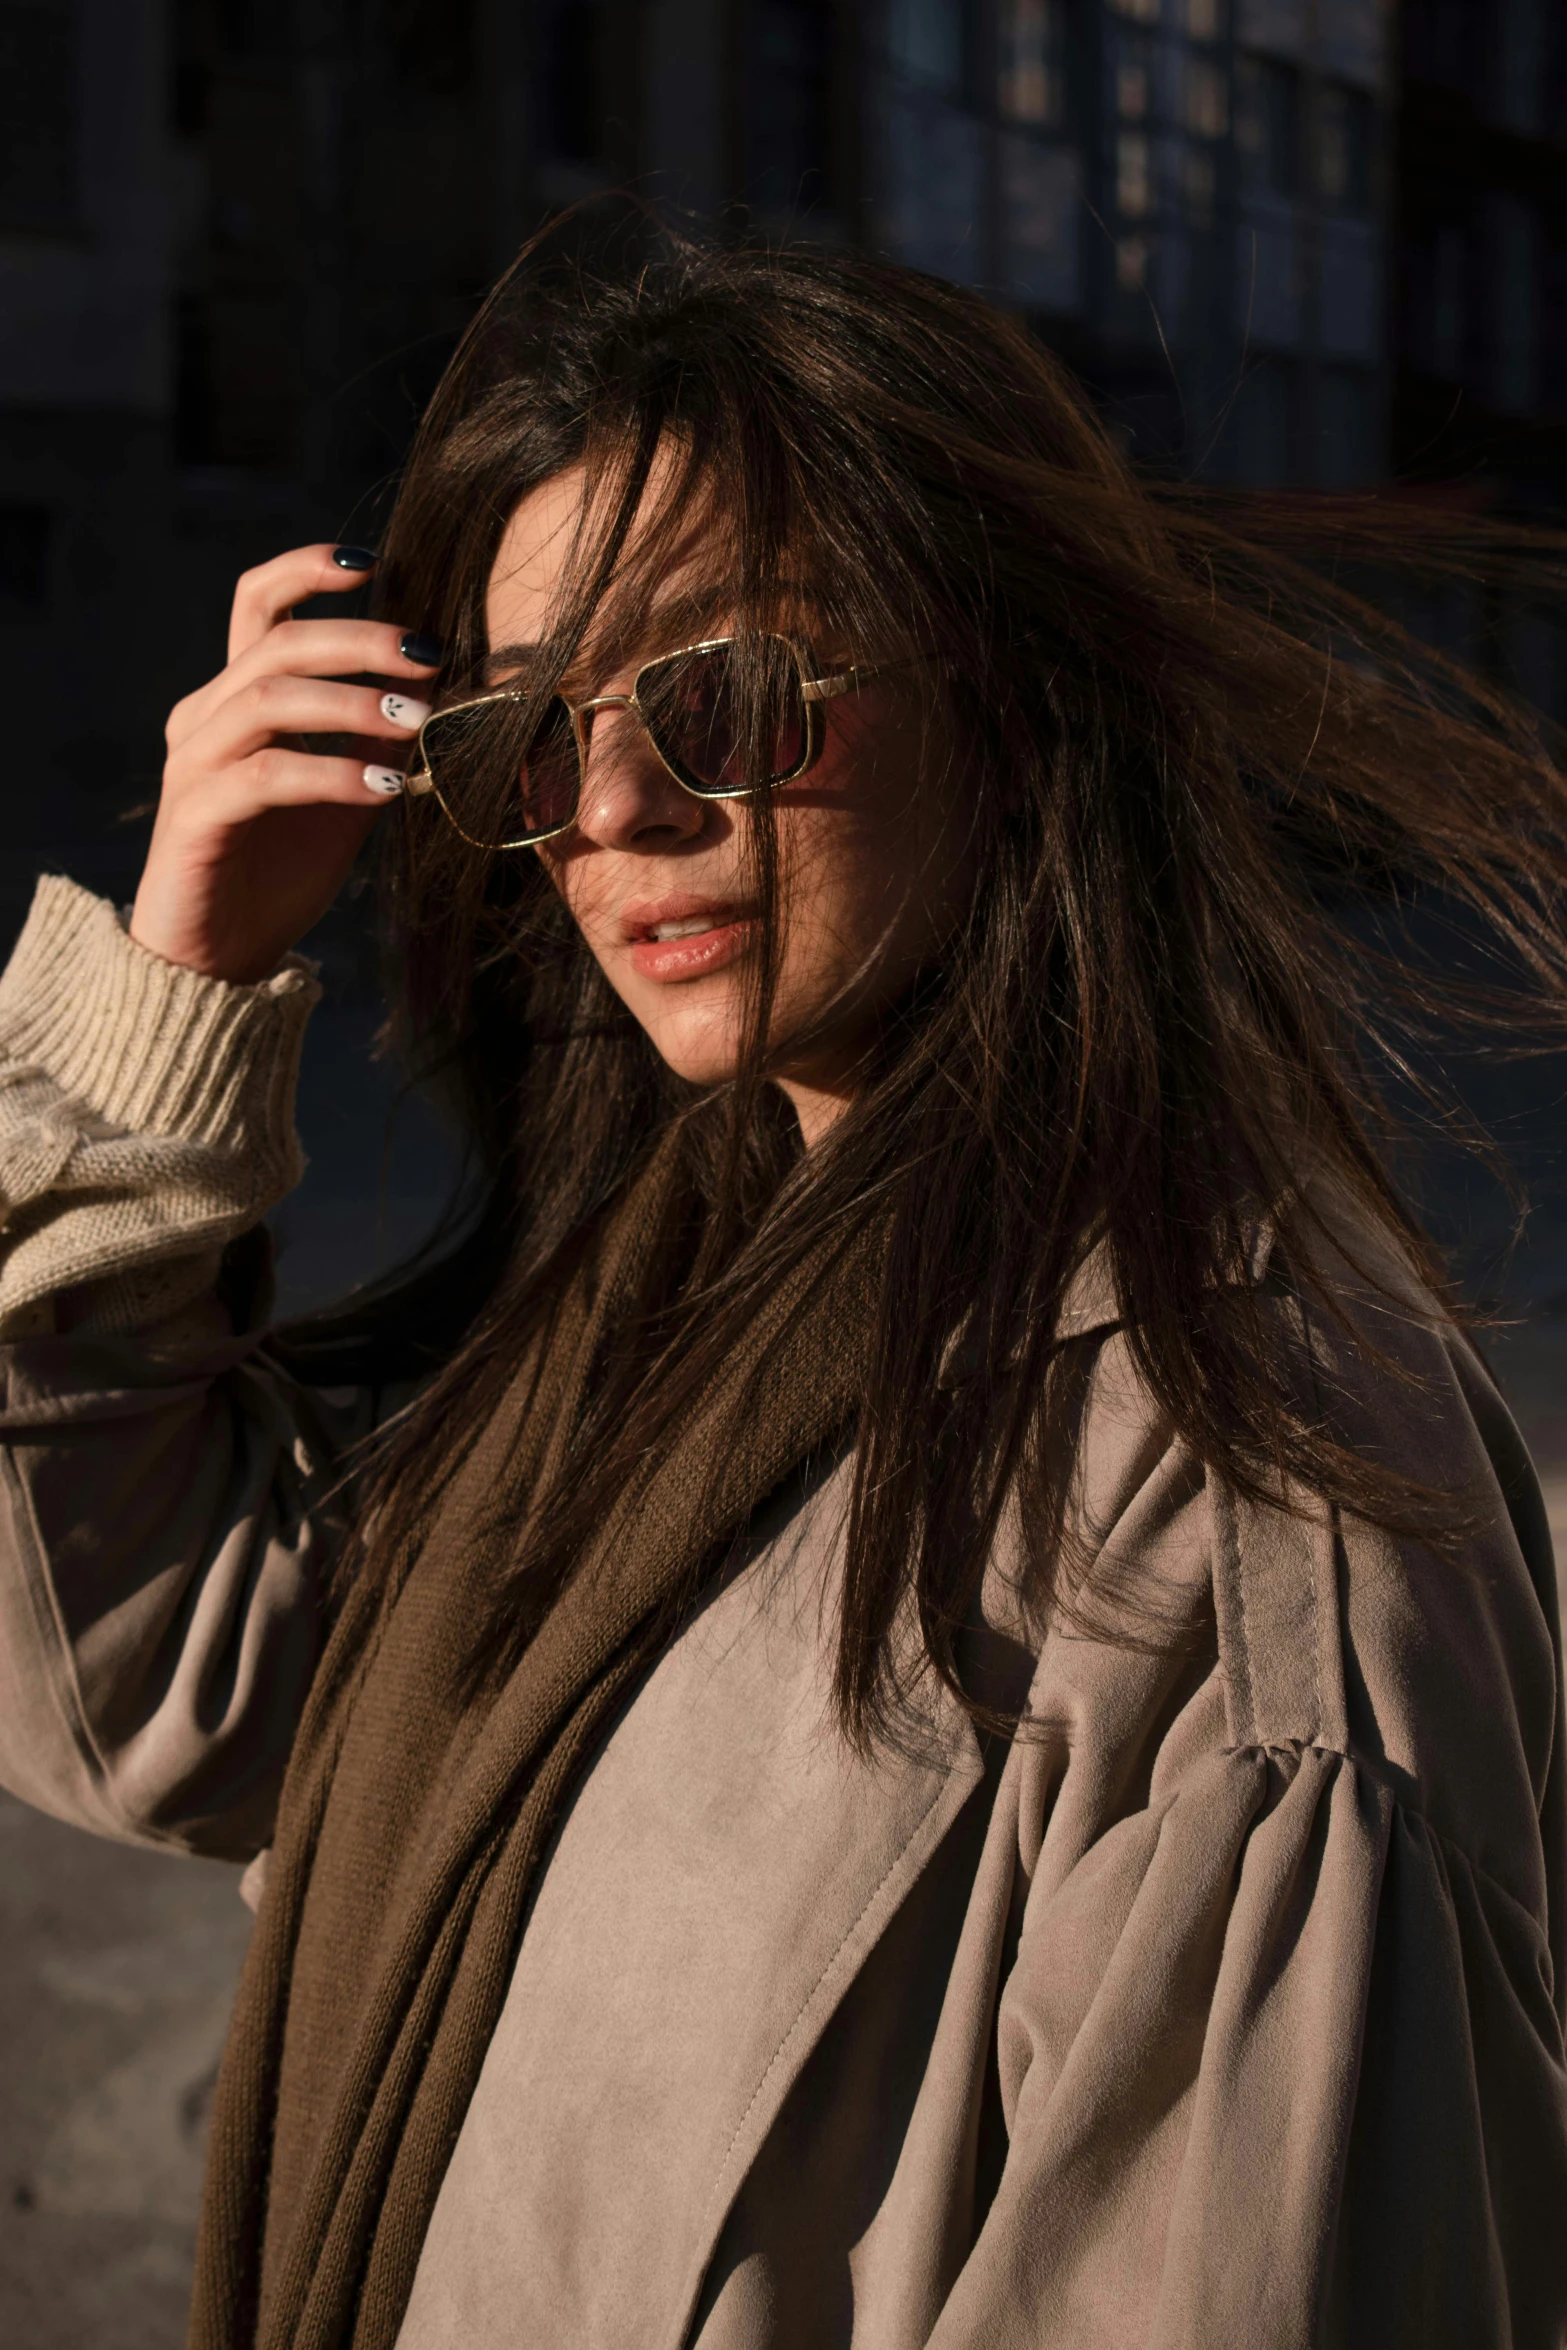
[(405, 712), (424, 650), (353, 558), (384, 780)]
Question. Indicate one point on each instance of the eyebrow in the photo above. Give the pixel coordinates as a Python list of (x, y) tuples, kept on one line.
[(506, 658), (665, 627)]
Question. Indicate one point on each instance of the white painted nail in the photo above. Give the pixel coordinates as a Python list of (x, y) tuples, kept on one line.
[(403, 711), (384, 780)]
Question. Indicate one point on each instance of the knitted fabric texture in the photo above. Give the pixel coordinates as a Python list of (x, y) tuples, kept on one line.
[(146, 1116), (415, 1813)]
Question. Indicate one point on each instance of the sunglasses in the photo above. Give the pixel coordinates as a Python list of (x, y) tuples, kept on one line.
[(706, 710)]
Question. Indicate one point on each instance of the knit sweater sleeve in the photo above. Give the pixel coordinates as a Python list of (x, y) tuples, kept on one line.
[(146, 1118), (161, 1515)]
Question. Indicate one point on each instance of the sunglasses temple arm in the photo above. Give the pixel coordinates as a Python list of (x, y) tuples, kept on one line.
[(849, 681), (827, 689)]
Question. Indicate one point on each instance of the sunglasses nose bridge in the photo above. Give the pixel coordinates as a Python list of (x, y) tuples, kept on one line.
[(623, 788), (583, 714)]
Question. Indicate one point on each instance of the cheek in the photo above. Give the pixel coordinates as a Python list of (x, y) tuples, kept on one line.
[(834, 880), (575, 878), (872, 854)]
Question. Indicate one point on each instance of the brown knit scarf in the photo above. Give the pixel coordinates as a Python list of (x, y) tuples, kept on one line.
[(414, 1817)]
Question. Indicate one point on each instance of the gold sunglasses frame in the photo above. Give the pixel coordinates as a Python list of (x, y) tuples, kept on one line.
[(814, 691)]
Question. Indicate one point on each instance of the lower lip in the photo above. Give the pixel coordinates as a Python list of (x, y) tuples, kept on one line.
[(691, 957)]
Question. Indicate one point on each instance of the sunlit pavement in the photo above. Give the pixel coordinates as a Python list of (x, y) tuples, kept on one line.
[(117, 1968)]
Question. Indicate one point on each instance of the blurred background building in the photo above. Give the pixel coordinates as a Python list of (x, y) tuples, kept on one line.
[(1285, 241)]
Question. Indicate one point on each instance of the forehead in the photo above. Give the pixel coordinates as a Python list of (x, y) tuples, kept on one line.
[(535, 557), (532, 560)]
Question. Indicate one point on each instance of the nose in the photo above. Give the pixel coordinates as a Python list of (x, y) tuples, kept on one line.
[(629, 798)]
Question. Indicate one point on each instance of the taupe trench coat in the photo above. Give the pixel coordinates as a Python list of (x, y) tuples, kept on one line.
[(1222, 2008)]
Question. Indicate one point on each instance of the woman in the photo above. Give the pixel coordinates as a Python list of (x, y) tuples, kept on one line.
[(937, 1719)]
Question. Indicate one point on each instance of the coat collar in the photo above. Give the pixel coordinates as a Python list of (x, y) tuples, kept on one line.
[(1090, 1305)]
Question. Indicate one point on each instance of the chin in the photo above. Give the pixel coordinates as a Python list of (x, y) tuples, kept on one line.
[(704, 1051)]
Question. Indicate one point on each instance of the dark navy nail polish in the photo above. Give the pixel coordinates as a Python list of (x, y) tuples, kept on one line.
[(354, 558), (425, 650)]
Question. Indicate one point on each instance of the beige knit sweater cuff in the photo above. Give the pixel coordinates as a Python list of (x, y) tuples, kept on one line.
[(146, 1112)]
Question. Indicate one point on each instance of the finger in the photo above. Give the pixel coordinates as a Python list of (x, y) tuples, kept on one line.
[(263, 595), (282, 778), (306, 648), (270, 706)]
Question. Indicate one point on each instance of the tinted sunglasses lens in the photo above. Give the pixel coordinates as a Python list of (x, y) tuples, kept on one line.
[(503, 777), (727, 722), (455, 744), (549, 774)]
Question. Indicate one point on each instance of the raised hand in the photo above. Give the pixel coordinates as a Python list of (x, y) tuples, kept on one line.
[(254, 836)]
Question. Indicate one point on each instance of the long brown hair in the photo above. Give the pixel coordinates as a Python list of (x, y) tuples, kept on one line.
[(1205, 781)]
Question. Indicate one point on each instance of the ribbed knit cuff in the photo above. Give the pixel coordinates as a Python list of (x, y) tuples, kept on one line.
[(150, 1046)]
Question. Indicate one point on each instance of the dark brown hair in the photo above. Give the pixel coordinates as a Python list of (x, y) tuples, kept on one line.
[(1205, 782)]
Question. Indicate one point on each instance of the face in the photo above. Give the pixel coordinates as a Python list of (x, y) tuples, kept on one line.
[(875, 856)]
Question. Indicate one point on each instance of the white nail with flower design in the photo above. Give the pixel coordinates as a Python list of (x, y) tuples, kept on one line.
[(403, 711)]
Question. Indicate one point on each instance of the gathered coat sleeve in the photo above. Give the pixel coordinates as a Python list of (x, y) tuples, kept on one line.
[(161, 1484), (1281, 2041)]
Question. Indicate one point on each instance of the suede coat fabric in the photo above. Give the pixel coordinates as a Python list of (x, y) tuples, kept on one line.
[(414, 1817)]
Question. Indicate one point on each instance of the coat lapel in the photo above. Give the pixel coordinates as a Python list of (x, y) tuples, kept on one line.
[(722, 1876)]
